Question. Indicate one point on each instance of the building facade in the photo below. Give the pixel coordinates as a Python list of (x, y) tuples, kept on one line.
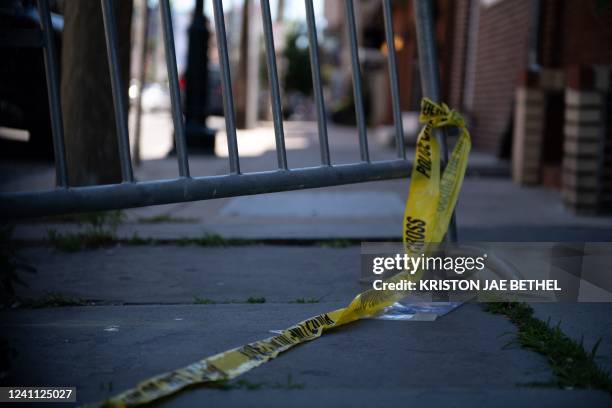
[(532, 77)]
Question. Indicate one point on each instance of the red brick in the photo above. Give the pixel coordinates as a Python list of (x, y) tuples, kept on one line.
[(580, 77)]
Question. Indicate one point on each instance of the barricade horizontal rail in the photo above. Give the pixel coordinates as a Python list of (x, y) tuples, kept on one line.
[(128, 195)]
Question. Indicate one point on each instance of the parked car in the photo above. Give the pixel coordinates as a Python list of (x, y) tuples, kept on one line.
[(156, 97), (24, 102)]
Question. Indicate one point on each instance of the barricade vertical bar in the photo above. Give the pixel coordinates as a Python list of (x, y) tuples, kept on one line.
[(316, 83), (226, 84), (142, 68), (359, 109), (277, 114), (175, 96), (395, 98), (110, 32), (430, 80), (57, 128)]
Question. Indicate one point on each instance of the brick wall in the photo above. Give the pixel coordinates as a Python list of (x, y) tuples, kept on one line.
[(552, 32), (587, 33), (501, 56), (587, 163)]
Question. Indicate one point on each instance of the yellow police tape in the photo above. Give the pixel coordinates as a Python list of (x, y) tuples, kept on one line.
[(429, 209)]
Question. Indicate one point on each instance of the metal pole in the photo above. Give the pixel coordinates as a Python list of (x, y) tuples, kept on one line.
[(57, 128), (175, 96), (315, 68), (395, 97), (357, 91), (110, 33), (430, 76), (226, 87), (277, 114)]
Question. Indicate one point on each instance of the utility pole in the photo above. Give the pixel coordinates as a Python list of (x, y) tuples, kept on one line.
[(198, 134), (144, 27)]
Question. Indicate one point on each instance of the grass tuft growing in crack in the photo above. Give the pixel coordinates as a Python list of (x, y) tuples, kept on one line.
[(203, 301), (137, 240), (213, 240), (100, 230), (166, 218), (53, 299), (335, 243), (73, 242), (572, 365)]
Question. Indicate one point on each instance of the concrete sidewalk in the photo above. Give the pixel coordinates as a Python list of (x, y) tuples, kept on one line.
[(103, 350), (142, 321), (173, 274)]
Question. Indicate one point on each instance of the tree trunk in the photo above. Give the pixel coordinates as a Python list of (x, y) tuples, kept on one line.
[(247, 82), (241, 82), (87, 105)]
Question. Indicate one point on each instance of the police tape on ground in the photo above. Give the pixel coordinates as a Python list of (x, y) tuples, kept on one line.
[(432, 198)]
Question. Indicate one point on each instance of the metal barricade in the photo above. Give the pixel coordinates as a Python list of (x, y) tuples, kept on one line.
[(132, 193)]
